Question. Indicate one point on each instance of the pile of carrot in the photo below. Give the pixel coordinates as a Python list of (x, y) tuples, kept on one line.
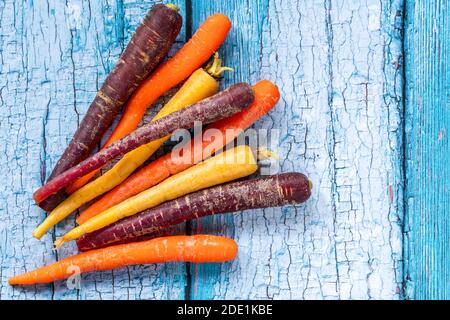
[(134, 205)]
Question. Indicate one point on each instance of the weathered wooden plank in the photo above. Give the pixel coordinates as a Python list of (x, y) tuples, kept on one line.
[(241, 51), (366, 118), (54, 57), (337, 66), (427, 224)]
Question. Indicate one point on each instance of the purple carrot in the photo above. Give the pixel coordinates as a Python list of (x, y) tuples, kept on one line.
[(148, 46), (219, 106), (271, 191)]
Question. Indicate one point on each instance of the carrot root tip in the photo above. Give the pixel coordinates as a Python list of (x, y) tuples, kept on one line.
[(58, 243), (263, 154), (37, 233)]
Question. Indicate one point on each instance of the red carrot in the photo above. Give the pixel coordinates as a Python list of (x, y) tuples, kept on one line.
[(148, 46), (271, 191), (198, 249), (266, 96)]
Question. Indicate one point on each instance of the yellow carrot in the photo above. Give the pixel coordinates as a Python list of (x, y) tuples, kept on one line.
[(227, 166), (199, 86)]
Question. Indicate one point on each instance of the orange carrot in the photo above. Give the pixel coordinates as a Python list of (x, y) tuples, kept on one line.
[(190, 57), (198, 248), (266, 96)]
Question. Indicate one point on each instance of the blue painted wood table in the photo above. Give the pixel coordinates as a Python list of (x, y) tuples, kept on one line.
[(364, 112)]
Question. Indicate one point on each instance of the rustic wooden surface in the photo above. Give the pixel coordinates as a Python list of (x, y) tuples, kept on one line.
[(427, 126), (339, 66)]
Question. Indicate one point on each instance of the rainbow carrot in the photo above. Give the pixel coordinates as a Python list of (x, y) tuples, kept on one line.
[(266, 96), (227, 166), (269, 191), (221, 105), (199, 86)]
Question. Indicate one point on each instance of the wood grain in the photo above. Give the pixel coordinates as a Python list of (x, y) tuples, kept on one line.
[(427, 115)]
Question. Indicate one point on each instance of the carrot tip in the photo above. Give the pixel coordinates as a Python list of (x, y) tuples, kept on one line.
[(37, 233), (263, 153), (58, 243)]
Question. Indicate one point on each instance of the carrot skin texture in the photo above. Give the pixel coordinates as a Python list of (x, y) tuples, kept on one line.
[(271, 191), (266, 96), (191, 56), (148, 46), (223, 104), (197, 249)]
